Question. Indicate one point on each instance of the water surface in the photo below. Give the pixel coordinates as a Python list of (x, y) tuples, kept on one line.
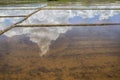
[(62, 53)]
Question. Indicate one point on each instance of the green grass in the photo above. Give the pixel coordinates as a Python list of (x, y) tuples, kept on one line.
[(4, 2)]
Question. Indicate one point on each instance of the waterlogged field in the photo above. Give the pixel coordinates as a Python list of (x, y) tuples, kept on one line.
[(61, 53)]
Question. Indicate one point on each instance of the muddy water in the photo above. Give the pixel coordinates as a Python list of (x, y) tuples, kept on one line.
[(63, 53)]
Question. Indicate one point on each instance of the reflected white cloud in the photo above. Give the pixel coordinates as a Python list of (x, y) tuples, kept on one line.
[(6, 22), (52, 16), (44, 36)]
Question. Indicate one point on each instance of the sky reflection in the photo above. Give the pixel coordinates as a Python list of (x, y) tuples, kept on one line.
[(6, 22), (44, 36), (69, 16)]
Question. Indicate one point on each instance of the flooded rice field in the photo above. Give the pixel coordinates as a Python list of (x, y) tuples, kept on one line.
[(74, 42)]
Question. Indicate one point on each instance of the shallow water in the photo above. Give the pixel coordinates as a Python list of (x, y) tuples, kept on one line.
[(74, 17), (62, 53), (6, 22)]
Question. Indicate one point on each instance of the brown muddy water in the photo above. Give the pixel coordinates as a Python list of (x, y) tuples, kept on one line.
[(61, 53)]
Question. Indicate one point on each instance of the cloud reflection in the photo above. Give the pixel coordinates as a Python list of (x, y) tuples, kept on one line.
[(44, 36)]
